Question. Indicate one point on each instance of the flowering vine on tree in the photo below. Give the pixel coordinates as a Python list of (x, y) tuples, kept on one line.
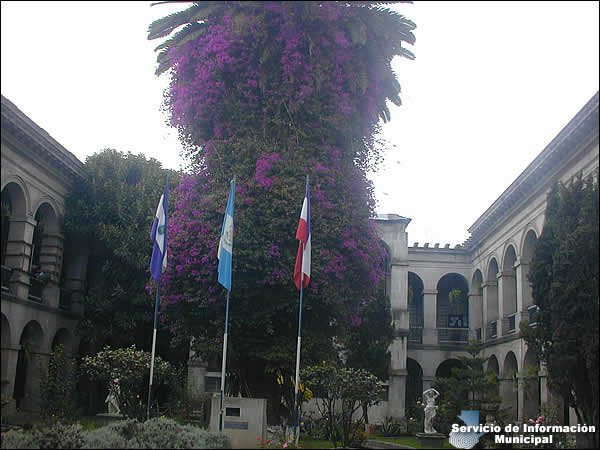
[(272, 91)]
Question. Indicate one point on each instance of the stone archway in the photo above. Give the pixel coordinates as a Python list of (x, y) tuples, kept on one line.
[(63, 337), (27, 377), (452, 309), (508, 385), (476, 319), (490, 295), (508, 278), (415, 308)]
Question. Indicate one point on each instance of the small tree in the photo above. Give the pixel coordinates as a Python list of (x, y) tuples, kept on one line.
[(564, 279), (468, 388), (347, 388), (132, 368), (57, 386)]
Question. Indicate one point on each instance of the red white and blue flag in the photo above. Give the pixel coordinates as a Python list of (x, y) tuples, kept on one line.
[(302, 267)]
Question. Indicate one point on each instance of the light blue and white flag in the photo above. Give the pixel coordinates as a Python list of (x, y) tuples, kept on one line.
[(226, 241), (158, 235)]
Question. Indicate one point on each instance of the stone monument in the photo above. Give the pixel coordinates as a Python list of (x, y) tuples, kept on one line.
[(430, 437)]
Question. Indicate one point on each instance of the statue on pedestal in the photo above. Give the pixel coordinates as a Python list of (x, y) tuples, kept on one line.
[(429, 396), (113, 397)]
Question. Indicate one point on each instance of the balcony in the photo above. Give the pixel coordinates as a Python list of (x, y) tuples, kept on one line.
[(492, 329), (36, 286), (415, 334), (509, 324), (453, 335), (531, 315), (6, 273), (64, 301)]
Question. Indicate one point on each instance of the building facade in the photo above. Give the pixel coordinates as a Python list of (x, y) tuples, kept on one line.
[(43, 276), (441, 297)]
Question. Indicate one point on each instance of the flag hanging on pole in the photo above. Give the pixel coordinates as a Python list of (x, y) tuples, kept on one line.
[(158, 235), (158, 264), (303, 234), (226, 242)]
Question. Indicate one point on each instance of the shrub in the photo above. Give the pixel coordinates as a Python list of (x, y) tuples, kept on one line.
[(132, 368), (57, 436), (393, 426), (114, 435), (57, 386)]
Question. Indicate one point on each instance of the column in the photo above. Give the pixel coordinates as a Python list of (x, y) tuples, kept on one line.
[(524, 299), (76, 261), (501, 289), (18, 254), (399, 304), (430, 316), (490, 305), (51, 256), (476, 315)]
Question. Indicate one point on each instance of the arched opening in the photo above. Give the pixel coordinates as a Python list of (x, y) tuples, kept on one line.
[(476, 320), (509, 291), (526, 257), (491, 294), (444, 370), (27, 377), (6, 348), (63, 337), (493, 366), (452, 308), (41, 265), (532, 386), (509, 386), (414, 382), (415, 308), (13, 206)]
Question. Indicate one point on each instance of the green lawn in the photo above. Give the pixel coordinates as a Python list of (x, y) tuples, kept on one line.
[(410, 441)]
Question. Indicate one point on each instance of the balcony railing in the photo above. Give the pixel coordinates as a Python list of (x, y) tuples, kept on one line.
[(453, 335), (64, 301), (492, 329), (531, 315), (509, 324), (6, 273), (415, 335), (36, 286)]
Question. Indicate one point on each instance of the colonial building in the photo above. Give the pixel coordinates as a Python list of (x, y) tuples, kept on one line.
[(441, 297), (43, 276)]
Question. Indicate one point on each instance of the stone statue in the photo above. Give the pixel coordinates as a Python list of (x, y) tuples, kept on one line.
[(113, 397), (430, 395)]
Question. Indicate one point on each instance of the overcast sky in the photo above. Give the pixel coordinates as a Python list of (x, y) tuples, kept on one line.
[(492, 84)]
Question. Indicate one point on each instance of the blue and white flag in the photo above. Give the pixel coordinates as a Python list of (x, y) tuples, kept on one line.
[(158, 235), (226, 241)]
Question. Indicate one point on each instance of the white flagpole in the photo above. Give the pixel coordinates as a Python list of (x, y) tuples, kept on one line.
[(223, 363)]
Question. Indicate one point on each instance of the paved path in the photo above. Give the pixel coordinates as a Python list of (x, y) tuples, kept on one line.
[(371, 443)]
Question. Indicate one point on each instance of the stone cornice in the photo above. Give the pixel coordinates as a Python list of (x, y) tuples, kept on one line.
[(542, 168), (19, 128)]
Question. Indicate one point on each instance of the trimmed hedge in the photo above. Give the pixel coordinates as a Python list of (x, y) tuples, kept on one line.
[(154, 433)]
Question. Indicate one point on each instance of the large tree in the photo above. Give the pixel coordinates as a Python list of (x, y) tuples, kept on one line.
[(564, 278), (271, 92), (111, 213)]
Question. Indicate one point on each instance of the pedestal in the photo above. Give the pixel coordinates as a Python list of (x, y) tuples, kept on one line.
[(431, 440)]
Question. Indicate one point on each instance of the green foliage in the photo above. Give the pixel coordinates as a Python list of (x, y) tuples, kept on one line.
[(57, 386), (154, 433), (468, 388), (57, 435), (111, 213), (131, 368), (393, 426), (367, 345), (564, 278), (346, 387)]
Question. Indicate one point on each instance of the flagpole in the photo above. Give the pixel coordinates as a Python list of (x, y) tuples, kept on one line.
[(223, 363), (153, 348), (296, 415), (157, 277)]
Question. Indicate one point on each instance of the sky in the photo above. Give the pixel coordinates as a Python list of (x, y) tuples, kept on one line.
[(493, 83)]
